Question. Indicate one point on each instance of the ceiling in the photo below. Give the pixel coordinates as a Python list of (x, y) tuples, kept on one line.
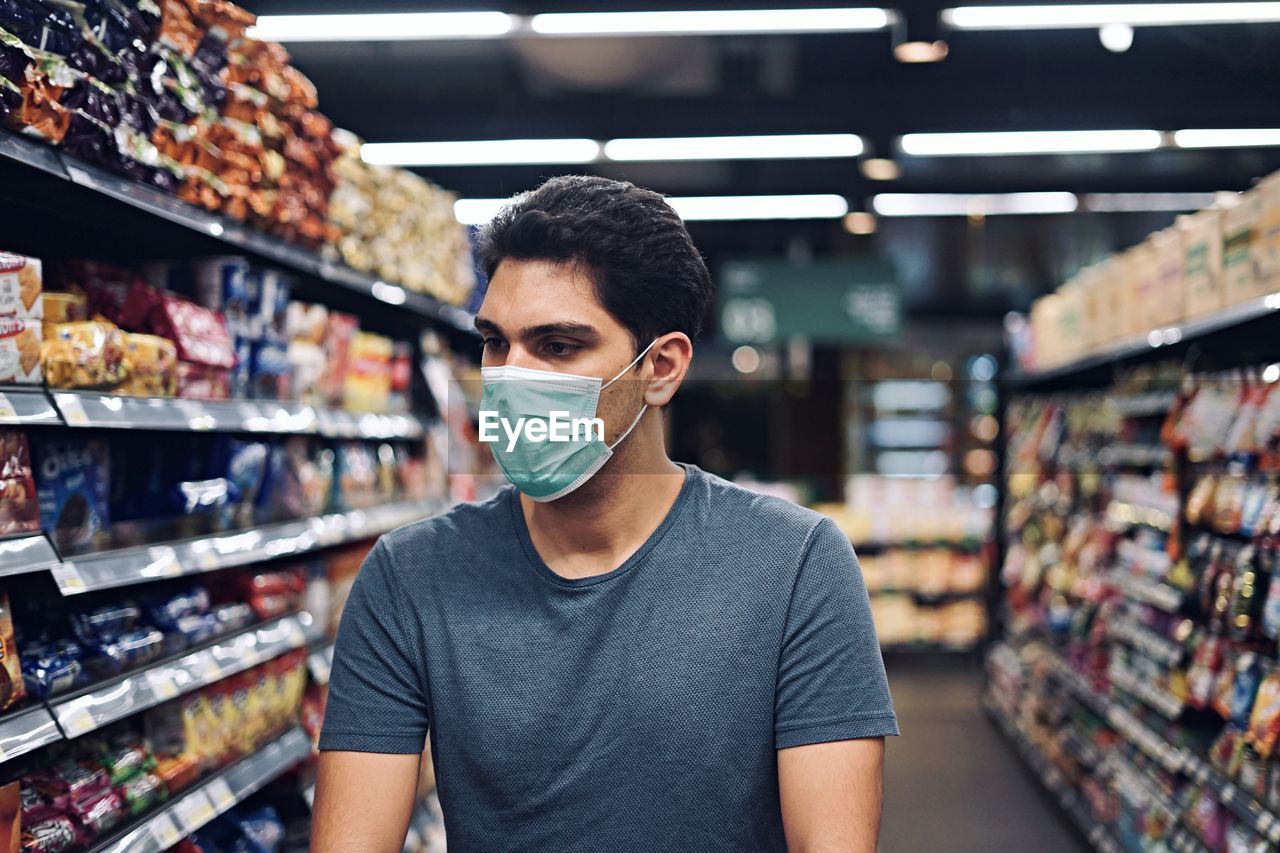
[(1172, 78)]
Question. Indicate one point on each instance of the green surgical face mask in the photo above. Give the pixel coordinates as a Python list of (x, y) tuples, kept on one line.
[(516, 397)]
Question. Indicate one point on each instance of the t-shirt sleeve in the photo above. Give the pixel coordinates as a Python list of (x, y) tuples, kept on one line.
[(831, 680), (377, 699)]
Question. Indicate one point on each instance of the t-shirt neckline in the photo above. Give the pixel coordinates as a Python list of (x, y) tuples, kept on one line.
[(547, 573)]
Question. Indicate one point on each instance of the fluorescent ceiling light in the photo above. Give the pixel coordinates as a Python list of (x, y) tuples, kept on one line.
[(477, 211), (1029, 142), (1089, 15), (740, 207), (485, 152), (711, 22), (1141, 202), (797, 146), (1227, 138), (410, 26), (947, 204)]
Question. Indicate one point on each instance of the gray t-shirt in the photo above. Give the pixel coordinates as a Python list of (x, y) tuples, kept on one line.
[(635, 710)]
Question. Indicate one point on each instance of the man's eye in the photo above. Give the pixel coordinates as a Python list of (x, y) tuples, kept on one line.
[(561, 348), (493, 343)]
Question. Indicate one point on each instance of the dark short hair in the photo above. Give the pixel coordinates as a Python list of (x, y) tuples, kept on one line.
[(630, 242)]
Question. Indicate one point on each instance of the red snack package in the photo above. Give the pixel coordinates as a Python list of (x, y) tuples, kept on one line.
[(55, 835), (198, 382), (201, 334)]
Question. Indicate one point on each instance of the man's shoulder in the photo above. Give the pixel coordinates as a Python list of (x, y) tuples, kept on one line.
[(751, 516), (462, 526)]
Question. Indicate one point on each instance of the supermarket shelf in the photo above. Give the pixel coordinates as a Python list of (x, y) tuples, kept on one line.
[(1159, 648), (152, 202), (110, 411), (320, 662), (929, 648), (1165, 339), (147, 563), (29, 553), (26, 406), (969, 544), (26, 730), (1153, 404), (1174, 759), (1159, 595), (1097, 833), (105, 703), (163, 829), (1134, 455)]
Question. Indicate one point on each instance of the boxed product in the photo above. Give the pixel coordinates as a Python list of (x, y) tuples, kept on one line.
[(1240, 279), (1045, 330), (339, 331), (1110, 300), (224, 284), (73, 491), (1202, 272), (368, 383), (306, 361), (306, 322), (1168, 305), (20, 351), (1144, 278), (1070, 324), (21, 282), (84, 355), (271, 371), (1266, 246)]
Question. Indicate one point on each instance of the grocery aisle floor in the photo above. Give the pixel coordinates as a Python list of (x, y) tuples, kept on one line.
[(952, 784)]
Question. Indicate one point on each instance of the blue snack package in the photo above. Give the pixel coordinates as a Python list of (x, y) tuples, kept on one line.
[(53, 668), (199, 496), (137, 648), (165, 612), (270, 371), (233, 617), (197, 628), (72, 489), (104, 624)]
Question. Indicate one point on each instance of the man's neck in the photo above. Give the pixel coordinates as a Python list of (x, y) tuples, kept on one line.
[(596, 528)]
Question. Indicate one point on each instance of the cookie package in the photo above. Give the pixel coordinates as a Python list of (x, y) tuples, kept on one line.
[(21, 283)]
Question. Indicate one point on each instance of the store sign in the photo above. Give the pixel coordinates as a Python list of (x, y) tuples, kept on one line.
[(854, 301)]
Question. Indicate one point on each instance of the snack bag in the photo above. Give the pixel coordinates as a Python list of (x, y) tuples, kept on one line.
[(151, 365), (84, 355), (13, 690), (1264, 723)]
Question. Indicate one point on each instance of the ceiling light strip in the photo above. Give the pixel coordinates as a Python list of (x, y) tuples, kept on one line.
[(793, 146), (1029, 142), (1261, 137), (957, 204), (711, 22), (406, 26), (1090, 15), (484, 152), (477, 211)]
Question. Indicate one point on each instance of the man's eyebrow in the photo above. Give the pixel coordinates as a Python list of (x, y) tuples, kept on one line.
[(582, 330), (483, 325)]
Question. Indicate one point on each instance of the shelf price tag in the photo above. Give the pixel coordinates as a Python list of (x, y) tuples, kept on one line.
[(68, 579), (164, 561), (7, 411), (165, 831), (220, 794), (161, 685), (194, 810), (73, 410), (75, 720)]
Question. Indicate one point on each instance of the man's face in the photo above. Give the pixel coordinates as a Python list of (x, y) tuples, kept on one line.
[(546, 316)]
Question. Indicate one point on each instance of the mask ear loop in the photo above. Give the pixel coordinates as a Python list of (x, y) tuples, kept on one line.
[(622, 372)]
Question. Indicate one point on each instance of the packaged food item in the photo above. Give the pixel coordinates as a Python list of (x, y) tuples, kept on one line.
[(165, 612), (401, 377), (368, 382), (224, 284), (55, 835), (1264, 723), (356, 476), (306, 361), (124, 757), (106, 623), (274, 593), (305, 321), (40, 801), (52, 668), (20, 351), (10, 816), (199, 382), (63, 308), (1202, 242), (21, 283), (1240, 280), (132, 650), (19, 508), (200, 334), (1169, 306), (73, 491), (78, 780), (233, 617), (84, 355), (268, 314), (12, 688), (99, 813), (271, 371), (178, 772), (1266, 246), (339, 331), (151, 365), (143, 791)]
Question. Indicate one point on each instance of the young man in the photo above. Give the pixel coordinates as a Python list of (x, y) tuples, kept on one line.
[(616, 653)]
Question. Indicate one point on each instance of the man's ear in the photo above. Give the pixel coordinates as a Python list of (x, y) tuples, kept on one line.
[(670, 358)]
